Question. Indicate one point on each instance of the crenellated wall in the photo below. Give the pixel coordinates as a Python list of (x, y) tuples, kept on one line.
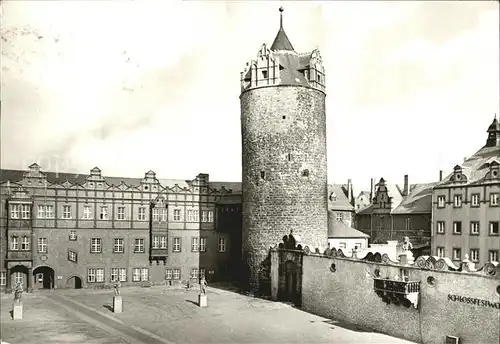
[(422, 301)]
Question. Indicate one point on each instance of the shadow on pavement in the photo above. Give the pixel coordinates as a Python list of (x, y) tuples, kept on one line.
[(108, 307)]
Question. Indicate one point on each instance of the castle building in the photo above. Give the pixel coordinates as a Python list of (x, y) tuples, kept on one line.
[(61, 230), (284, 161), (341, 202), (466, 209), (396, 212)]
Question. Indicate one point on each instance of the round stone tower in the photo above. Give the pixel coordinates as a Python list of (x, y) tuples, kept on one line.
[(284, 163)]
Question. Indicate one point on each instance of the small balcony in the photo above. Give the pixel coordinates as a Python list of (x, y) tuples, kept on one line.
[(19, 255), (403, 293), (159, 254)]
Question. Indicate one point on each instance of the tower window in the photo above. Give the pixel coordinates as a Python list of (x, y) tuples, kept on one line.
[(319, 78), (264, 74), (305, 173), (288, 157), (284, 117), (262, 174)]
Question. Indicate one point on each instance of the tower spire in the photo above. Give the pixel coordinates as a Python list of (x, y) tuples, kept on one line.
[(281, 42), (493, 134), (281, 17)]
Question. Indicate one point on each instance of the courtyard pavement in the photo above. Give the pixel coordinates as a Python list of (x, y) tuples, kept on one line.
[(160, 315)]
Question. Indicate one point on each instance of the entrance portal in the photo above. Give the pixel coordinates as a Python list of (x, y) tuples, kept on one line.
[(74, 282), (19, 274), (290, 282), (43, 278)]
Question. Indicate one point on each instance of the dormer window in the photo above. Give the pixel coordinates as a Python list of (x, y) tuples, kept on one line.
[(333, 197)]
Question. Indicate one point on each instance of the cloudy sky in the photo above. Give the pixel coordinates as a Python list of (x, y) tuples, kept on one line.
[(130, 86)]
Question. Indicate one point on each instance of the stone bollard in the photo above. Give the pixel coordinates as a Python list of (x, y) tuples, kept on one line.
[(17, 312), (202, 300), (117, 304)]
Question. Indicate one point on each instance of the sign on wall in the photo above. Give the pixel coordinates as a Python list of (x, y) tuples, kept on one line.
[(473, 301)]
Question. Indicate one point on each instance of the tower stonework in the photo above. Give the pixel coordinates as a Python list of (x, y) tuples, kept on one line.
[(284, 161)]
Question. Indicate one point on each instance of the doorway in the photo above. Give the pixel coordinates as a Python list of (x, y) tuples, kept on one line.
[(291, 292), (43, 278), (74, 282)]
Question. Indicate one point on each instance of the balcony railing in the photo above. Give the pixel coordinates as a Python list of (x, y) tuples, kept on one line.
[(405, 293), (159, 253), (19, 255)]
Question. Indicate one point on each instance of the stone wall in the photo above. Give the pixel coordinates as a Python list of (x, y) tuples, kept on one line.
[(452, 300), (284, 171)]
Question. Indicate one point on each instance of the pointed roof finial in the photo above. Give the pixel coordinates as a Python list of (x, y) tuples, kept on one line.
[(281, 17)]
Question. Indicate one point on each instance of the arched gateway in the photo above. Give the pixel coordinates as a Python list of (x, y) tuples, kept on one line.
[(43, 278)]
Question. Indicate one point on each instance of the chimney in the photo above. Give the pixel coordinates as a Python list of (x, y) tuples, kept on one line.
[(440, 175), (405, 187), (372, 190), (349, 191)]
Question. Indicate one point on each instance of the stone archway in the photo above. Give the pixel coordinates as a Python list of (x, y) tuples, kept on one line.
[(19, 273), (74, 282), (43, 278)]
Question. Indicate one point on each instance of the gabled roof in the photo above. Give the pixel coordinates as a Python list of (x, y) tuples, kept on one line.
[(341, 201), (393, 190), (418, 201), (338, 229), (477, 166)]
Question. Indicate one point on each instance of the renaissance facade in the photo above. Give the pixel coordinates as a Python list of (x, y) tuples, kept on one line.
[(62, 230)]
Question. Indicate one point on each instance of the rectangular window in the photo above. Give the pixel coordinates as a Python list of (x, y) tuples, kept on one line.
[(18, 277), (25, 243), (168, 274), (194, 273), (114, 274), (202, 273), (95, 245), (87, 212), (474, 200), (203, 244), (49, 211), (474, 228), (457, 254), (408, 223), (493, 199), (118, 245), (163, 242), (156, 214), (141, 215), (264, 74), (474, 255), (144, 274), (457, 227), (194, 244), (493, 228), (3, 278), (95, 275), (136, 275), (41, 212), (72, 256), (163, 215), (177, 274), (72, 235), (14, 211), (222, 245), (104, 215), (14, 243), (441, 201), (120, 215), (99, 275), (122, 274), (177, 214), (493, 255), (139, 246), (207, 216), (42, 245), (440, 252), (156, 242), (177, 245), (66, 212), (25, 211), (193, 215), (440, 227), (342, 245), (457, 201), (358, 245), (339, 216)]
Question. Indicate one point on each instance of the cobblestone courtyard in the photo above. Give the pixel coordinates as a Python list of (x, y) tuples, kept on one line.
[(159, 315)]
